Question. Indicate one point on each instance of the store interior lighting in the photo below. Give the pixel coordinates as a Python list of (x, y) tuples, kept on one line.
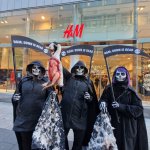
[(43, 17), (4, 20), (140, 8)]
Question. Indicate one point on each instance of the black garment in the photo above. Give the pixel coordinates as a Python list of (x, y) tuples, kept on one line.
[(26, 138), (74, 107), (78, 138), (27, 110), (19, 140), (78, 113), (30, 106), (131, 132)]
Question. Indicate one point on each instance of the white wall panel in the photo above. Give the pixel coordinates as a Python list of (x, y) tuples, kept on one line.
[(48, 2), (40, 3), (11, 4), (3, 5), (18, 4), (24, 3), (57, 1), (32, 3)]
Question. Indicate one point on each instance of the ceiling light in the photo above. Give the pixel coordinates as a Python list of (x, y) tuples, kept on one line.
[(2, 21), (42, 17), (5, 21), (140, 8)]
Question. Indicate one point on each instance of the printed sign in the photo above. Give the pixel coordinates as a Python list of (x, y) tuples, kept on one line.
[(74, 32), (22, 41), (121, 49), (78, 50)]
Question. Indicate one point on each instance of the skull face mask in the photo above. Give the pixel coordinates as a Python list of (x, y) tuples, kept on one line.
[(80, 70), (120, 75), (36, 70)]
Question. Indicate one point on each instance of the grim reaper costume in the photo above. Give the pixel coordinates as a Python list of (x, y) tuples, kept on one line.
[(130, 132), (28, 102), (79, 106), (49, 131)]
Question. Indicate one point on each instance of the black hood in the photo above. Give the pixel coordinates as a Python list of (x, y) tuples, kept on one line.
[(29, 67), (79, 63)]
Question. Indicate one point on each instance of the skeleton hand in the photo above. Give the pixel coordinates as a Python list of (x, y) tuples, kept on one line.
[(16, 97), (103, 107), (115, 104), (87, 96), (47, 85)]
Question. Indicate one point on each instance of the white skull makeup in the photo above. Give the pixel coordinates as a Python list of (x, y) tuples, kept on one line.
[(36, 70), (120, 76), (80, 70)]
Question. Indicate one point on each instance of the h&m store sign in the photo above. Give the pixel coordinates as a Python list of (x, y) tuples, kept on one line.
[(74, 31)]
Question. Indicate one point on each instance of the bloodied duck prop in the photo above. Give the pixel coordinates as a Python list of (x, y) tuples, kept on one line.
[(131, 132), (55, 66), (28, 102), (79, 105)]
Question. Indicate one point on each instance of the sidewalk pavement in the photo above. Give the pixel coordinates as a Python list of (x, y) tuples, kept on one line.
[(7, 136)]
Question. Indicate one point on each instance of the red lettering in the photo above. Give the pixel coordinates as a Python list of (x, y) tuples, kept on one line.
[(78, 30), (68, 32), (76, 33)]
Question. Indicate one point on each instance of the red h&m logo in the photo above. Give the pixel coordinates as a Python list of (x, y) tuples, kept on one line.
[(71, 32)]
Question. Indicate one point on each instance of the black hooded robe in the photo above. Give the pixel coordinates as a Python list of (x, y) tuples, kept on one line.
[(131, 132), (91, 112)]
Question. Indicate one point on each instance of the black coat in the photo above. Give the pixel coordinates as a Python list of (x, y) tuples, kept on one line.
[(30, 105), (131, 132), (78, 113)]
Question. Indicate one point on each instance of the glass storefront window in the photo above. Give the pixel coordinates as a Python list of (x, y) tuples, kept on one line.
[(105, 20), (51, 27), (103, 23), (7, 80)]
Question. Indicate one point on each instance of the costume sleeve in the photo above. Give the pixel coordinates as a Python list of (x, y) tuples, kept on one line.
[(134, 109), (93, 95), (66, 75), (106, 95), (48, 90)]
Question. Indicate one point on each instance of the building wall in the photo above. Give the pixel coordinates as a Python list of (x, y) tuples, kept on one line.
[(21, 4)]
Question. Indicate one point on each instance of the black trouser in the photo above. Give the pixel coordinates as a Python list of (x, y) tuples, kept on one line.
[(78, 139), (24, 140)]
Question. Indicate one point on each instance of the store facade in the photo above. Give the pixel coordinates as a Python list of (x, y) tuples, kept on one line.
[(106, 22)]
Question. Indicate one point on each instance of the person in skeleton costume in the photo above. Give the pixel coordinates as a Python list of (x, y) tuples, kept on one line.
[(79, 106), (29, 101), (130, 132), (55, 66)]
